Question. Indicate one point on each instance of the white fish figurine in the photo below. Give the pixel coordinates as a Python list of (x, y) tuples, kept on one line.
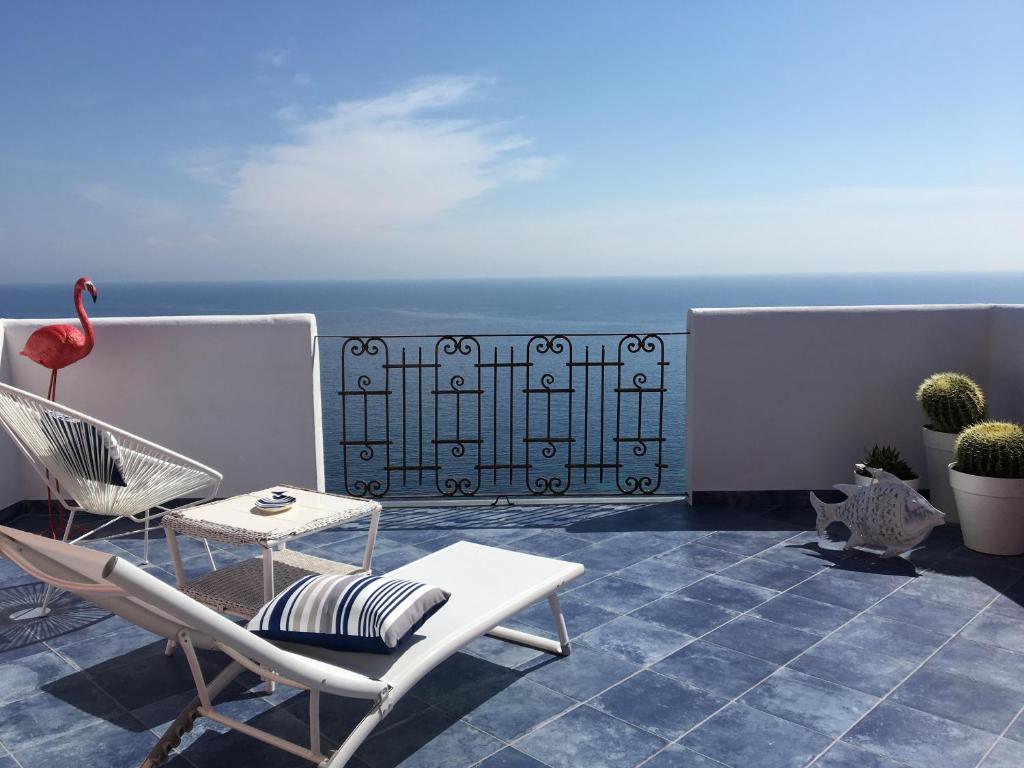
[(887, 513)]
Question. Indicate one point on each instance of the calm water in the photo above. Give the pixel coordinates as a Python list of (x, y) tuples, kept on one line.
[(595, 306)]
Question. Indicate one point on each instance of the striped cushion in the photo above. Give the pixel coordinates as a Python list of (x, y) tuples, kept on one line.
[(85, 451), (348, 613)]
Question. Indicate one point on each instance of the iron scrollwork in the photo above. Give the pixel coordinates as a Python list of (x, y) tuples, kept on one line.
[(503, 415)]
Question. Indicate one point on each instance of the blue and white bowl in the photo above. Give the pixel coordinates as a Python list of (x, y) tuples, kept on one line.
[(278, 501)]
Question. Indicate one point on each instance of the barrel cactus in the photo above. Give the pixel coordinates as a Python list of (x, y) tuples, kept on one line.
[(991, 449), (951, 401)]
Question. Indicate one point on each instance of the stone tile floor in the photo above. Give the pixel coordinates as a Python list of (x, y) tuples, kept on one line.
[(702, 637)]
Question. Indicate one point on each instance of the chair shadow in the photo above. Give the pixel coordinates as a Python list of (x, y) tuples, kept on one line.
[(456, 687)]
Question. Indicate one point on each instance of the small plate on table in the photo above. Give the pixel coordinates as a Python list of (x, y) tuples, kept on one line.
[(277, 501)]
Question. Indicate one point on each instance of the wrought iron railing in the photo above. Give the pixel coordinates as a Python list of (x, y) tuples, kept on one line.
[(504, 414)]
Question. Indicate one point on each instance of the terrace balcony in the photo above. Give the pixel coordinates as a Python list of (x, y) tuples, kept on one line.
[(711, 631)]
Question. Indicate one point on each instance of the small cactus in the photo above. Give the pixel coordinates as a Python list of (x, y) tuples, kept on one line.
[(991, 449), (951, 401), (888, 458)]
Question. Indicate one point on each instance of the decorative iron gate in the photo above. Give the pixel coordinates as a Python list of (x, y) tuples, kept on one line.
[(507, 415)]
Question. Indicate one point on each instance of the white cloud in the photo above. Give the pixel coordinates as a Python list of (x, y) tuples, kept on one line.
[(379, 164), (136, 210), (301, 79), (207, 165)]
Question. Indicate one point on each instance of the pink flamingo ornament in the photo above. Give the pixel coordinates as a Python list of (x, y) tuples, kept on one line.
[(58, 346)]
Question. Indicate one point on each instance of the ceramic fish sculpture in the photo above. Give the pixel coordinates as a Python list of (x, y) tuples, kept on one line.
[(887, 513)]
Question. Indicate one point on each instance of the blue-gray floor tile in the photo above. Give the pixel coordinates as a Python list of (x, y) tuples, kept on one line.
[(500, 652), (843, 755), (801, 613), (691, 617), (765, 574), (728, 593), (701, 557), (713, 668), (835, 587), (661, 574), (583, 674), (659, 704), (24, 676), (919, 739), (675, 756), (429, 740), (6, 761), (514, 710), (981, 662), (60, 709), (1016, 730), (764, 639), (1006, 754), (90, 652), (814, 703), (551, 544), (960, 698), (895, 638), (960, 585), (580, 616), (874, 673), (614, 594), (635, 640), (587, 738), (995, 629), (746, 542), (742, 736), (945, 618), (105, 743), (805, 555), (510, 757)]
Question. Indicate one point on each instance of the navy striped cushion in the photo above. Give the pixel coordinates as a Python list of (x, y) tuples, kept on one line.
[(348, 613), (85, 451)]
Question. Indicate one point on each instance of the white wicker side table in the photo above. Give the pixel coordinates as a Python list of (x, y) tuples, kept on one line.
[(243, 588)]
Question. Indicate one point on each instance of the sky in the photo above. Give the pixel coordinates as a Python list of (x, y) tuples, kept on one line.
[(322, 140)]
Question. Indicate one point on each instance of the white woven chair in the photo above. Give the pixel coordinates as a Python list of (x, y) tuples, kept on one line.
[(78, 471)]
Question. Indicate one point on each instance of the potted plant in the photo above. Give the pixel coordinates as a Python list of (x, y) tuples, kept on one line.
[(952, 402), (887, 458), (988, 482)]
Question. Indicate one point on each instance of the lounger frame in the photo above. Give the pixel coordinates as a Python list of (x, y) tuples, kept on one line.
[(139, 597)]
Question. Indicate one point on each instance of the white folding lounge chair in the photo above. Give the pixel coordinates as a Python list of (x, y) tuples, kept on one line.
[(487, 585), (75, 464)]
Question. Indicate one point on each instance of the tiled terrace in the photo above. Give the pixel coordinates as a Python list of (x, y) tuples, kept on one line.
[(702, 638)]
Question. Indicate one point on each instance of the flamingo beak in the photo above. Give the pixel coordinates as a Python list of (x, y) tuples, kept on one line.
[(92, 291)]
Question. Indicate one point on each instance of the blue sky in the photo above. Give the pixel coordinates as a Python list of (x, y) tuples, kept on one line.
[(252, 140)]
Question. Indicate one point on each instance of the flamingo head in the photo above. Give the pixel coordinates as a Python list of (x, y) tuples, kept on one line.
[(87, 284)]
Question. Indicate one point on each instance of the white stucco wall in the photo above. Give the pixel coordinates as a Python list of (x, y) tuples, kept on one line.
[(239, 393), (784, 399)]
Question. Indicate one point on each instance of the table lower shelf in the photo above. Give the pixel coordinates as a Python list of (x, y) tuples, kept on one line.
[(238, 589)]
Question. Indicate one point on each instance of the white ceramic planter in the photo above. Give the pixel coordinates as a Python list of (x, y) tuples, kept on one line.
[(938, 451), (991, 512), (859, 479)]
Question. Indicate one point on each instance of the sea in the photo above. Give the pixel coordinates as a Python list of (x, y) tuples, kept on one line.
[(480, 423)]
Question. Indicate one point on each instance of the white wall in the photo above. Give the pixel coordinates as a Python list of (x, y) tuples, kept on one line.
[(785, 399), (238, 393)]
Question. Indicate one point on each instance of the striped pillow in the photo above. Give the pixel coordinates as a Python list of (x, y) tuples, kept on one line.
[(86, 451), (348, 613)]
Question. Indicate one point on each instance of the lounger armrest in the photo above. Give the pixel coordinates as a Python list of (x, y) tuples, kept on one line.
[(311, 673)]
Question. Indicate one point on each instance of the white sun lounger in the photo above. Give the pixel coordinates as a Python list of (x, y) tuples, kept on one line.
[(487, 585)]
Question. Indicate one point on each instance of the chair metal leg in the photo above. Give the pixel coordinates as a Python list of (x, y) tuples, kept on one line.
[(559, 647), (43, 610), (145, 542)]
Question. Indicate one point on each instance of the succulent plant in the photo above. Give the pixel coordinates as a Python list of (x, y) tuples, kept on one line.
[(991, 449), (888, 458), (951, 401)]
